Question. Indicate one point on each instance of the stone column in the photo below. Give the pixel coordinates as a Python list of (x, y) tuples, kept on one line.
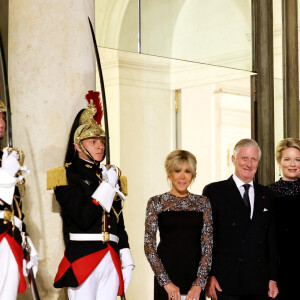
[(263, 87), (290, 68), (51, 67)]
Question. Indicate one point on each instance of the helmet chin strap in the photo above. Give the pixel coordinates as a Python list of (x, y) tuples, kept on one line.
[(88, 154)]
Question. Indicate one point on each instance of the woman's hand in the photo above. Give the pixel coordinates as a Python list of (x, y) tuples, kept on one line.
[(173, 291), (273, 290), (212, 287), (194, 293)]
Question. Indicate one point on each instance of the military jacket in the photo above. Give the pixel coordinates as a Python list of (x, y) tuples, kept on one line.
[(82, 215), (15, 209), (12, 233)]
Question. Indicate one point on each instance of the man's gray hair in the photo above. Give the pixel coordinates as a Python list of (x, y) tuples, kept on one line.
[(246, 143)]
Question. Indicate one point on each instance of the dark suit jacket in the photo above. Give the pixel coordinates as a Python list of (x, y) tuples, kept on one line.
[(245, 255)]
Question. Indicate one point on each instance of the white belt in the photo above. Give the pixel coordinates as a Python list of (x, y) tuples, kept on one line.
[(17, 222), (104, 237)]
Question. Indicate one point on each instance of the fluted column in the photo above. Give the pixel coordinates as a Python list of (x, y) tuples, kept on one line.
[(263, 87), (290, 68), (51, 67)]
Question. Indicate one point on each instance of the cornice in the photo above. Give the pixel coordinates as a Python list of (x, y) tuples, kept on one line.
[(125, 68)]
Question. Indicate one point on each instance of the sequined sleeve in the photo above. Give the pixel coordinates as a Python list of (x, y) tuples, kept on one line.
[(206, 244), (150, 246)]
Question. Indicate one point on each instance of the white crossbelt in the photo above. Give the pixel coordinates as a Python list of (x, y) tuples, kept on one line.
[(17, 222), (93, 237)]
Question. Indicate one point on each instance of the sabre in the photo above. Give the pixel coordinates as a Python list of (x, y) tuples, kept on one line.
[(107, 149), (31, 279), (6, 92), (10, 148), (104, 104)]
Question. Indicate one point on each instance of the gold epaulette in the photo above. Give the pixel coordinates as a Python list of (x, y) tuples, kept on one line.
[(57, 177), (123, 182)]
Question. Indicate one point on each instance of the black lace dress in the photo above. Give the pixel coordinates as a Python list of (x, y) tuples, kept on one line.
[(287, 200), (184, 253)]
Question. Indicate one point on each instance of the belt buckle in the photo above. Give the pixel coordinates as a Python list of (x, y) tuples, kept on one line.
[(105, 236), (7, 216)]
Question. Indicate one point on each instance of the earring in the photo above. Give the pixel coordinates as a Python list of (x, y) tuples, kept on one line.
[(279, 172)]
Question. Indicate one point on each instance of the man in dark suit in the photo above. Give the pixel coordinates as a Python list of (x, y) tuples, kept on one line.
[(245, 259)]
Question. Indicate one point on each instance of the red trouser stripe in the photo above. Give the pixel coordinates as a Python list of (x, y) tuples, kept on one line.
[(19, 256)]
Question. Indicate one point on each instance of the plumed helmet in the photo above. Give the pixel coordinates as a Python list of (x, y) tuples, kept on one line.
[(2, 106), (90, 121)]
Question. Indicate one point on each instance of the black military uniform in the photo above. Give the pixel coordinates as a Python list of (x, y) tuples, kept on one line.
[(82, 215), (12, 231), (97, 261)]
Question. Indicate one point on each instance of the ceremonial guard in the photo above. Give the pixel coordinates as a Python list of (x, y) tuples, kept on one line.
[(97, 263), (13, 237)]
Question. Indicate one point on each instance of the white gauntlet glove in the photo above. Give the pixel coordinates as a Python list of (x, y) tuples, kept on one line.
[(10, 162), (127, 266), (127, 272), (33, 262), (111, 175), (10, 166), (108, 188)]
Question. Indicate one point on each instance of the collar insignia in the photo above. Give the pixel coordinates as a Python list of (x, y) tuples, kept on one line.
[(87, 182)]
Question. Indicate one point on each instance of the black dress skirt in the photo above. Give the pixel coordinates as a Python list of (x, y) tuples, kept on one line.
[(287, 203), (179, 248)]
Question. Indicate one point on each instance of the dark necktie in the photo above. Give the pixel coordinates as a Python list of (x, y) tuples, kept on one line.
[(246, 197)]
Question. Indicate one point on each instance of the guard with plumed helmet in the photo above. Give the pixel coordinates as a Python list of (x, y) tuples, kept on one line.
[(97, 263)]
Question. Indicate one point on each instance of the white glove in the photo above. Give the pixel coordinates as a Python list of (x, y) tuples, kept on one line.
[(127, 266), (111, 175), (127, 272), (10, 162), (108, 188), (33, 262), (7, 187)]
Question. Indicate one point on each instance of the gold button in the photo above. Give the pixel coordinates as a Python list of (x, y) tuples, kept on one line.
[(109, 226), (108, 215)]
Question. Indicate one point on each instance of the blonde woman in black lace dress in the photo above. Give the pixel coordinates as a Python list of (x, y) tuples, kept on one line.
[(182, 260), (287, 204)]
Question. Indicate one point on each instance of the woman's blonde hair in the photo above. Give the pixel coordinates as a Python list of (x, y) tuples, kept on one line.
[(284, 144), (176, 159)]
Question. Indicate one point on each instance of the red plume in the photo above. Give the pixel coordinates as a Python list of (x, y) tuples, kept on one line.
[(97, 102)]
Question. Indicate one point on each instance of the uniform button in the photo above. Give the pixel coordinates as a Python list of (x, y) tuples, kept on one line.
[(259, 242), (109, 226), (240, 259), (243, 241), (259, 260), (233, 224), (108, 215)]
